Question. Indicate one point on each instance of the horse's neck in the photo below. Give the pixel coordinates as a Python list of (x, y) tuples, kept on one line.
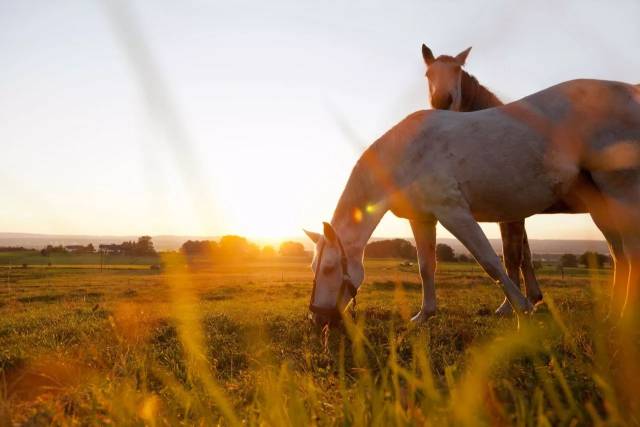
[(475, 96), (359, 211), (354, 234)]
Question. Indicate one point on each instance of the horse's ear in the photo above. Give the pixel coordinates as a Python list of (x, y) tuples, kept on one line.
[(329, 232), (313, 236), (427, 55), (461, 58)]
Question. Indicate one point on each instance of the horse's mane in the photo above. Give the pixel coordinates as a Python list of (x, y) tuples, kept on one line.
[(475, 96)]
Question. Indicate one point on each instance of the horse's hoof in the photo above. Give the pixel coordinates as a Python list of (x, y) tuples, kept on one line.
[(528, 308), (535, 299), (423, 316), (504, 310), (540, 307)]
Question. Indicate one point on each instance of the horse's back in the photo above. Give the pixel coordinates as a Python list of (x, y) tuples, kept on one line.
[(586, 97)]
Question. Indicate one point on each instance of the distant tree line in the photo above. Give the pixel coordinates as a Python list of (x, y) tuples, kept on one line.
[(589, 259), (229, 248), (404, 249), (238, 248), (445, 253), (50, 249), (59, 249), (401, 248), (393, 248), (13, 249), (143, 246), (291, 249)]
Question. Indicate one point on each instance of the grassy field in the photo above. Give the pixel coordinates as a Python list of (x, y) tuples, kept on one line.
[(232, 345), (34, 258)]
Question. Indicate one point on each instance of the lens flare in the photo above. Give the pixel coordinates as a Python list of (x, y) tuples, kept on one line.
[(357, 215)]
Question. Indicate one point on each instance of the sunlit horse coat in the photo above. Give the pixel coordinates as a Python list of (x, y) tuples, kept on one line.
[(574, 143)]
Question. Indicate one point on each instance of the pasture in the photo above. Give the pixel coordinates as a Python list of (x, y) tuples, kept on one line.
[(34, 258), (231, 344)]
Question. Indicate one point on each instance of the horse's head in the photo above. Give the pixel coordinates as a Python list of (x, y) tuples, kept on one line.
[(334, 276), (444, 75)]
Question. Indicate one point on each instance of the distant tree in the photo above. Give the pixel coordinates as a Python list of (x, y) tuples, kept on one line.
[(127, 248), (232, 245), (90, 248), (53, 250), (268, 251), (237, 248), (445, 253), (229, 248), (593, 259), (13, 249), (393, 248), (464, 258), (252, 251), (144, 246), (199, 247), (290, 248), (568, 260)]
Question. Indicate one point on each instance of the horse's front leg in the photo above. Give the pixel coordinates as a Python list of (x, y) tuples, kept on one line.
[(531, 285), (461, 223), (424, 233)]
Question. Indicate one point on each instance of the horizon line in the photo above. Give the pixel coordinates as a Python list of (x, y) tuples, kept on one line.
[(217, 236)]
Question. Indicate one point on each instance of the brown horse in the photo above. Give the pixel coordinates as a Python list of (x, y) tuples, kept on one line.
[(453, 88)]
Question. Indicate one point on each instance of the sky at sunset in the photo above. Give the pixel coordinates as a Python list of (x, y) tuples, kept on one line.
[(246, 117)]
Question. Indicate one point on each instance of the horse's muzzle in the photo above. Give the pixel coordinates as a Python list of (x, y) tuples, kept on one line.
[(320, 320), (323, 319)]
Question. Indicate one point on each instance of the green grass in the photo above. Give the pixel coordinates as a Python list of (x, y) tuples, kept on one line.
[(232, 344), (35, 258)]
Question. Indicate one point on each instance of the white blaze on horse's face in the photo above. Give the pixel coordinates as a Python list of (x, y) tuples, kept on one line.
[(327, 269), (444, 76)]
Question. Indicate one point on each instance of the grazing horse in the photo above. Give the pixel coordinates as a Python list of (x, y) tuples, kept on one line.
[(453, 88), (573, 144)]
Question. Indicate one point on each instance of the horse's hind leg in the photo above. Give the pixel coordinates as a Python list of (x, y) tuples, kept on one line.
[(512, 236), (605, 223), (424, 233), (460, 222), (531, 285), (620, 198), (517, 257)]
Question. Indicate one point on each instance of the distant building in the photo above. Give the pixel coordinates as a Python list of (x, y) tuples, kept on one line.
[(80, 249), (111, 248)]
